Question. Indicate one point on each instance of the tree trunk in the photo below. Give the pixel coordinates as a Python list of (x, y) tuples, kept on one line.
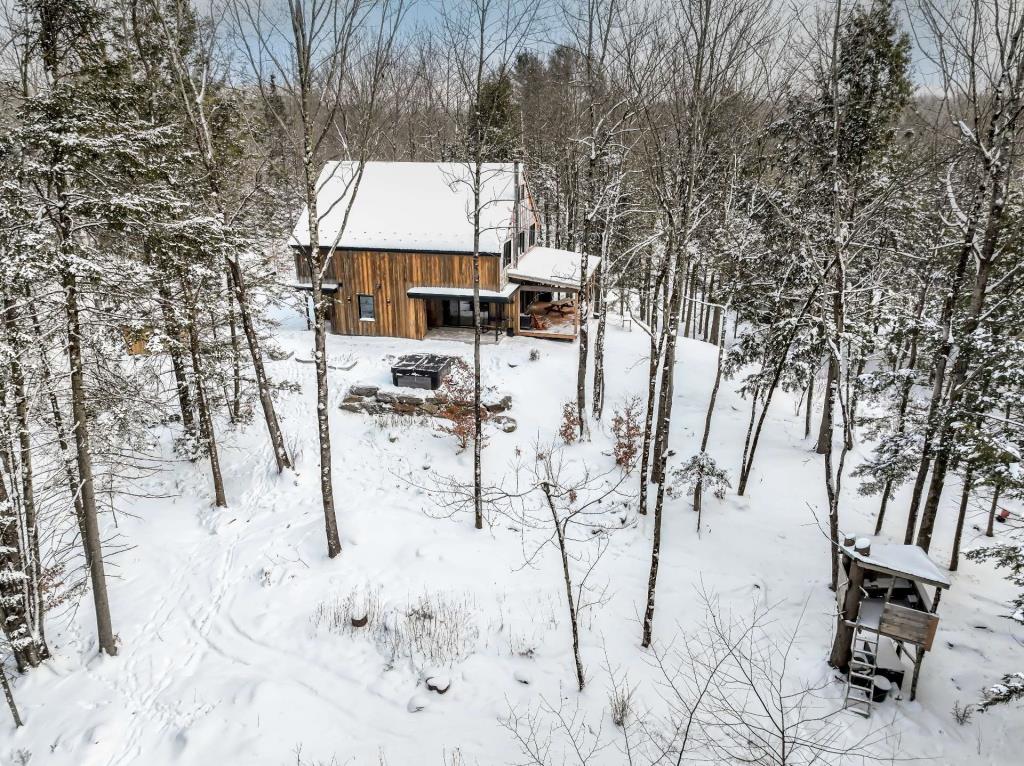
[(9, 696), (901, 409), (567, 578), (965, 497), (584, 349), (698, 308), (955, 394), (645, 291), (989, 528), (80, 430), (827, 417), (478, 503), (206, 430), (317, 265), (34, 569), (235, 407), (58, 425), (842, 645), (699, 486), (670, 328), (599, 288), (15, 618), (810, 400), (707, 332), (941, 361), (691, 287), (181, 386), (645, 453), (746, 442), (853, 387), (33, 559), (748, 454), (833, 481), (652, 577), (671, 331)]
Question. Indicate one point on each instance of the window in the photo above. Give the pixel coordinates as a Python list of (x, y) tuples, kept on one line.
[(533, 234), (507, 254), (522, 241), (366, 312)]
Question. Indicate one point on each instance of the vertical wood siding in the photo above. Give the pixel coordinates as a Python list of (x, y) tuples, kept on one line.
[(387, 275)]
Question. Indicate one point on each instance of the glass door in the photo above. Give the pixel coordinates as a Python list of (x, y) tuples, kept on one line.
[(460, 313)]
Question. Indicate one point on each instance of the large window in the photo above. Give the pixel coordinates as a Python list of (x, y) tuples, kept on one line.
[(366, 310)]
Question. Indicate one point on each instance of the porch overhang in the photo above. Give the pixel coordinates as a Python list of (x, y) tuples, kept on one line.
[(552, 268), (463, 294)]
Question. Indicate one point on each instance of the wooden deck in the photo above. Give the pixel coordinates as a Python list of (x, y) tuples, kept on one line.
[(548, 335), (557, 325)]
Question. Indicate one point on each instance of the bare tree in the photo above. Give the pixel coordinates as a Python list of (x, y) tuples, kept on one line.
[(308, 54), (555, 502), (482, 38), (9, 696), (732, 698)]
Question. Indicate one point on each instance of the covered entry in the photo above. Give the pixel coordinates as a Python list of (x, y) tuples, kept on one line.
[(453, 307)]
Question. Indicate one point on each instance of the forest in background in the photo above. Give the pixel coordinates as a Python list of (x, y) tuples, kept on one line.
[(832, 197)]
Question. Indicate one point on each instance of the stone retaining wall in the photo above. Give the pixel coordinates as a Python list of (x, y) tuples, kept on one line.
[(371, 400)]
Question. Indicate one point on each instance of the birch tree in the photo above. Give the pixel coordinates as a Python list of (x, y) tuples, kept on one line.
[(304, 55), (484, 37)]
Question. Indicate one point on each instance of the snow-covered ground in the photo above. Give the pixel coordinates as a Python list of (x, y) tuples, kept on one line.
[(222, 659)]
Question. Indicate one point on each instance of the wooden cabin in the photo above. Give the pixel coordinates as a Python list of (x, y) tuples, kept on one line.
[(401, 252)]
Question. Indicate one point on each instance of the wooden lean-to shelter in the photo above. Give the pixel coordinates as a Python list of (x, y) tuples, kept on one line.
[(885, 608)]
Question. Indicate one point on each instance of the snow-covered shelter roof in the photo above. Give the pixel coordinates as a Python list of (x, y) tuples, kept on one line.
[(553, 267), (463, 293), (424, 206), (908, 561)]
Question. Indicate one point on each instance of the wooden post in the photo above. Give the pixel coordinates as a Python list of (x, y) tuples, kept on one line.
[(919, 653), (918, 659)]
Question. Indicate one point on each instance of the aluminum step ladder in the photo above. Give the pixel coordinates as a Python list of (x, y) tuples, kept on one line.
[(860, 679)]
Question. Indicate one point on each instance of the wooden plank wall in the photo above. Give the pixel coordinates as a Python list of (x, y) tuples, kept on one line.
[(387, 275)]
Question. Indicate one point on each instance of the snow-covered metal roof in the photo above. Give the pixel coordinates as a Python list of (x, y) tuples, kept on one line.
[(908, 561), (463, 293), (551, 266), (424, 206)]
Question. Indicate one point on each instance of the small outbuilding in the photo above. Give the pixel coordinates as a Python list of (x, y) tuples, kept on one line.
[(884, 606)]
